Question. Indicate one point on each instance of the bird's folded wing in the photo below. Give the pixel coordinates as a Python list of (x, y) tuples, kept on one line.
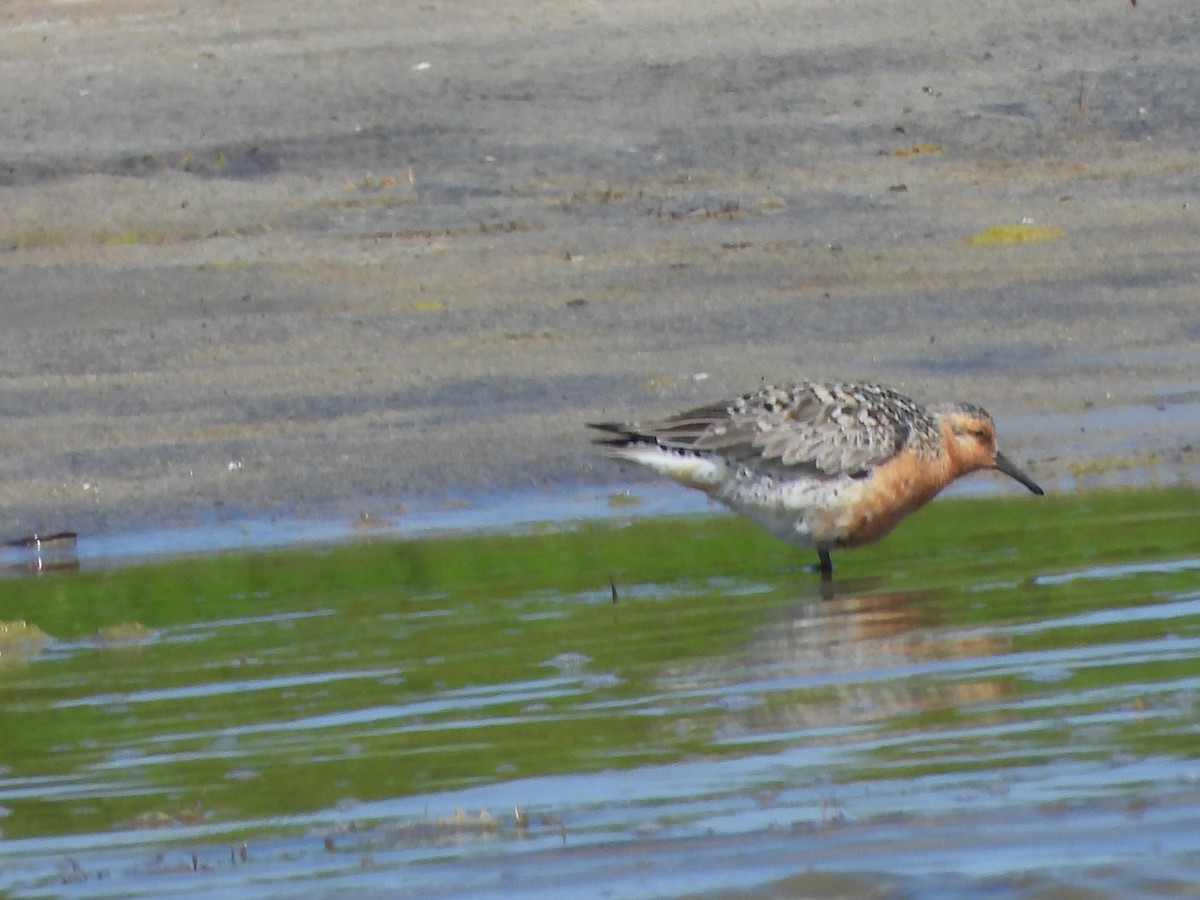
[(802, 428)]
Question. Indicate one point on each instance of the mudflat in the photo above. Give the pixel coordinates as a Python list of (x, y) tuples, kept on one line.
[(335, 258)]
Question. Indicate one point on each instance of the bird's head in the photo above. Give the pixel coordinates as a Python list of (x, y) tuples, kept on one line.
[(969, 437)]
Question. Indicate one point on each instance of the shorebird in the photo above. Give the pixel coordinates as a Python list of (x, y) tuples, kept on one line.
[(828, 466)]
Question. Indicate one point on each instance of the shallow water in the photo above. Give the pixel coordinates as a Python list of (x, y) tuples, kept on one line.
[(1001, 697)]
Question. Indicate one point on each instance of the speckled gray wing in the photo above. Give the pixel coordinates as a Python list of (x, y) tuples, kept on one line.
[(819, 429)]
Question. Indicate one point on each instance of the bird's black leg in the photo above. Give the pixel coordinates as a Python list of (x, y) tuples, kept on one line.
[(825, 567)]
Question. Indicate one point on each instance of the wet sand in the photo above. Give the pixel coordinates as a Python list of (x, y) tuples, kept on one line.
[(343, 258)]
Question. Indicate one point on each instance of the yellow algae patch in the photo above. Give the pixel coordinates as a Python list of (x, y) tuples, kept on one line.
[(18, 633), (193, 815), (662, 382), (918, 150), (126, 633), (20, 641), (1105, 465), (427, 305), (1014, 234), (622, 499)]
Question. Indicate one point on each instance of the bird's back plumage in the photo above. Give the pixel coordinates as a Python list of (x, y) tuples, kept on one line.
[(820, 430)]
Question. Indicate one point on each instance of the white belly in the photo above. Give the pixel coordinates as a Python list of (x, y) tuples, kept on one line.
[(804, 511)]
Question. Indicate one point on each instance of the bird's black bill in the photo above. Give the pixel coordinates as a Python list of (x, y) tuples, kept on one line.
[(1005, 465)]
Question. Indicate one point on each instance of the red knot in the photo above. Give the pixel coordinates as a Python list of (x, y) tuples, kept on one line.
[(828, 466)]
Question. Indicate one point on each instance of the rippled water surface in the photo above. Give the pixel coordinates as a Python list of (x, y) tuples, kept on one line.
[(1001, 697)]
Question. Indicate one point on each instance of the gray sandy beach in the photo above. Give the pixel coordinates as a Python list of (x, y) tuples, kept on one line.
[(342, 258)]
